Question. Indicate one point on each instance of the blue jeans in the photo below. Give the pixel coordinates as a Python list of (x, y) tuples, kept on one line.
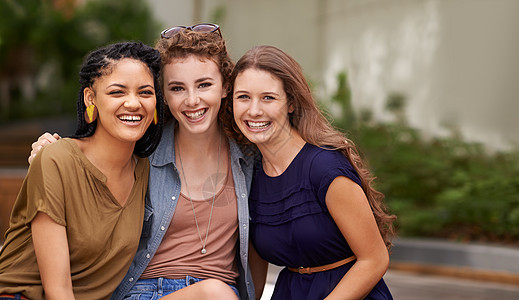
[(154, 288), (16, 296)]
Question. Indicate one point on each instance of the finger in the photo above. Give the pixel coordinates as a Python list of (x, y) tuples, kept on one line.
[(46, 139), (50, 138), (35, 149), (31, 157), (44, 136)]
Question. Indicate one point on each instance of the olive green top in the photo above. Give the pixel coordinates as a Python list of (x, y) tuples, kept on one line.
[(102, 235)]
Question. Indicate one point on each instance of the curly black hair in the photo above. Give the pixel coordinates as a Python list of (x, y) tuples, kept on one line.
[(98, 63)]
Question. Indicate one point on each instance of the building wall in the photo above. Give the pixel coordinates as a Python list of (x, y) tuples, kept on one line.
[(455, 60)]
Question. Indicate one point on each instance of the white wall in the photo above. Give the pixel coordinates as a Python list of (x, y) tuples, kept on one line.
[(456, 60)]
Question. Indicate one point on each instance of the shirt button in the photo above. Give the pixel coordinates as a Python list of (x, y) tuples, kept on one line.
[(148, 255), (162, 228), (243, 195), (173, 198), (131, 279)]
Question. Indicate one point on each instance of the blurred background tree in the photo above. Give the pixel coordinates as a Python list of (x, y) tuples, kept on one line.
[(43, 42)]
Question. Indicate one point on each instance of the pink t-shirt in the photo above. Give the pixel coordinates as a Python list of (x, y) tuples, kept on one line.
[(179, 253)]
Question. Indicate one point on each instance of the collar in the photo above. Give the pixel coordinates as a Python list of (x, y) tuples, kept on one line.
[(165, 152)]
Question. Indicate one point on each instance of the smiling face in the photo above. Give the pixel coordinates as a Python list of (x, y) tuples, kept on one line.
[(261, 108), (193, 88), (125, 100)]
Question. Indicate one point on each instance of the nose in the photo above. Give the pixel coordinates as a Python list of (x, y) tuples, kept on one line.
[(132, 102), (255, 108), (192, 98)]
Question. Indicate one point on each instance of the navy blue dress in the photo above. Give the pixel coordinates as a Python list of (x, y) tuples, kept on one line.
[(291, 226)]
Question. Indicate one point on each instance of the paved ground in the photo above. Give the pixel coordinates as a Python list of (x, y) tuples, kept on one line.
[(410, 286)]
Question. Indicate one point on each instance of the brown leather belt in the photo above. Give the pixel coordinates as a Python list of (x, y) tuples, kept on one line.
[(310, 270)]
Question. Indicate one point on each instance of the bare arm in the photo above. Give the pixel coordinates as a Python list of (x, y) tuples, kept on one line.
[(43, 140), (52, 254), (351, 212), (259, 268)]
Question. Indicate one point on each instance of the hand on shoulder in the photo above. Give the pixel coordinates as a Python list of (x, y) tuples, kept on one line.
[(43, 140)]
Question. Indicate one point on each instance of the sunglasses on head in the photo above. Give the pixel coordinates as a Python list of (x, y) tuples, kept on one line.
[(203, 28)]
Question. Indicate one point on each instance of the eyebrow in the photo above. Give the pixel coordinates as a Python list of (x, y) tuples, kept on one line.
[(124, 86), (262, 93), (204, 79), (175, 83), (196, 81), (116, 85)]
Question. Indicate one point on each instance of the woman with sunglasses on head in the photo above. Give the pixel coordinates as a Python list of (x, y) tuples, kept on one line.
[(194, 242), (312, 205), (76, 222)]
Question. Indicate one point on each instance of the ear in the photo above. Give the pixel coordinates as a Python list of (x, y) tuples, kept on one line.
[(291, 108), (88, 96), (225, 90)]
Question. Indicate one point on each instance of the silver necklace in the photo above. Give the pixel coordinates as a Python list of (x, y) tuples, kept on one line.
[(203, 251)]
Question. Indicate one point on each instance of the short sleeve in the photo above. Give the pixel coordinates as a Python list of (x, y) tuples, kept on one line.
[(45, 191), (325, 167)]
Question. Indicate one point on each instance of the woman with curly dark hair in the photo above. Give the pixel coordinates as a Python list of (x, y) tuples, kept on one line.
[(76, 223)]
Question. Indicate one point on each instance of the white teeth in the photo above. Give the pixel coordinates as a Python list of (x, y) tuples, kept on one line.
[(258, 124), (130, 118), (195, 115)]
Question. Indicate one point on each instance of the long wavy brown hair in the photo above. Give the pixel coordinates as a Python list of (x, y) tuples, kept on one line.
[(309, 122)]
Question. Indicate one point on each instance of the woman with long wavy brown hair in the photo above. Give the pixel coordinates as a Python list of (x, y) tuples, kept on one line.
[(312, 205)]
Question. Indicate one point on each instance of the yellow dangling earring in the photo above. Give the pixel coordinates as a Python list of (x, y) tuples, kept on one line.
[(155, 117), (91, 113)]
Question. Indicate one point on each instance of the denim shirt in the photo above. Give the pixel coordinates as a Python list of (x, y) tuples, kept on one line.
[(163, 193)]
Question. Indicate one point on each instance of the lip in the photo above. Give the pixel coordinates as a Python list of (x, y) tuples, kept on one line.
[(258, 127), (195, 116)]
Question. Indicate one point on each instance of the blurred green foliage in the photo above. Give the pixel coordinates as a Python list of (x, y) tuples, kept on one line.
[(438, 187), (47, 44)]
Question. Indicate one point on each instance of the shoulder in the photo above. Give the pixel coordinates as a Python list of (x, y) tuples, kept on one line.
[(165, 151), (54, 165), (245, 154), (325, 157), (62, 146), (327, 164), (58, 152)]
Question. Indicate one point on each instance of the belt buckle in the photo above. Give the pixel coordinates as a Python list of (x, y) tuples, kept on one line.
[(302, 270)]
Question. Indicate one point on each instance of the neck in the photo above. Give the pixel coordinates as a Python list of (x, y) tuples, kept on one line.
[(199, 145), (108, 155), (200, 159), (278, 156)]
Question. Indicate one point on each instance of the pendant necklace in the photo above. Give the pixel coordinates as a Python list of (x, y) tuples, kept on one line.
[(203, 251)]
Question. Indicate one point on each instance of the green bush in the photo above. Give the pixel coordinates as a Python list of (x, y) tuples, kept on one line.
[(438, 187)]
